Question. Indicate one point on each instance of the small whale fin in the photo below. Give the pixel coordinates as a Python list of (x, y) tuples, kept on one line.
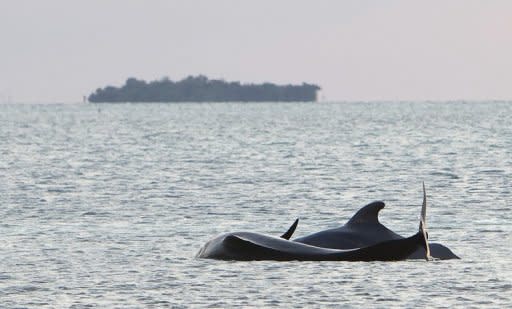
[(423, 225), (367, 214), (423, 215), (291, 230)]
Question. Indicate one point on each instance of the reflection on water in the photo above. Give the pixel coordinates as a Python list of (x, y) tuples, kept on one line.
[(107, 204)]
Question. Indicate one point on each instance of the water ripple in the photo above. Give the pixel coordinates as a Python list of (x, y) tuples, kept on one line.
[(106, 207)]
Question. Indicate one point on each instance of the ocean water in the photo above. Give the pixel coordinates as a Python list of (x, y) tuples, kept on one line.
[(106, 205)]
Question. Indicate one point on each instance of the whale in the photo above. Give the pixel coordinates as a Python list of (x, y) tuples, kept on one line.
[(364, 229), (251, 246)]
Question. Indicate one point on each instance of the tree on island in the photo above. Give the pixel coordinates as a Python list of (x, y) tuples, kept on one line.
[(201, 89)]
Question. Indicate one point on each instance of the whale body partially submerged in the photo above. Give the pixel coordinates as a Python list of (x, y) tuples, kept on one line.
[(364, 229), (246, 246)]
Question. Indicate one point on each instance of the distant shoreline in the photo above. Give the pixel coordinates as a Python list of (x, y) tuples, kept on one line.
[(201, 89)]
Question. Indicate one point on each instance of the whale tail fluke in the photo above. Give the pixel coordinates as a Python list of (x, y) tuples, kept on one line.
[(423, 225)]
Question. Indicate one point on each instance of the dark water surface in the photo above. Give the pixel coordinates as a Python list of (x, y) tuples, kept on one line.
[(106, 205)]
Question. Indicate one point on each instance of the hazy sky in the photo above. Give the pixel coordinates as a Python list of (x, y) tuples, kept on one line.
[(60, 50)]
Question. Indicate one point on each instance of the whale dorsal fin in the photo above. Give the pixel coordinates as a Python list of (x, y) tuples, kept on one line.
[(290, 231), (367, 214)]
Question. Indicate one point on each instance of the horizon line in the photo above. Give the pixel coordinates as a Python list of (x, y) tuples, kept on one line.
[(328, 101)]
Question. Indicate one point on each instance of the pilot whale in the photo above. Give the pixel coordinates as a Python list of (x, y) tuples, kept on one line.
[(364, 229), (249, 246)]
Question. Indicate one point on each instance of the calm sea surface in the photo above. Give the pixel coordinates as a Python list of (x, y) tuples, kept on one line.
[(106, 205)]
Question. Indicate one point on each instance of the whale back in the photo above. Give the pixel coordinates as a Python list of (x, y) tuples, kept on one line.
[(363, 229)]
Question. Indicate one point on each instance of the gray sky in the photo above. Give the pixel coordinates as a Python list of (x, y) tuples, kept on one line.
[(60, 50)]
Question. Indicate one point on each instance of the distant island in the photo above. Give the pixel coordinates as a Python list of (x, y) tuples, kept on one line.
[(201, 89)]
